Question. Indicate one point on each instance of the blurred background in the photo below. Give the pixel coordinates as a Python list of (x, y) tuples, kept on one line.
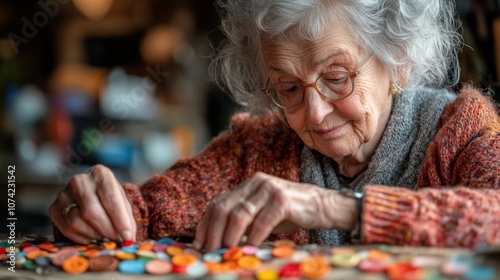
[(124, 83)]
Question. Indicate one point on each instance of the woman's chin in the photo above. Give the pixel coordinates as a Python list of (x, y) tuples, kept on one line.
[(336, 152)]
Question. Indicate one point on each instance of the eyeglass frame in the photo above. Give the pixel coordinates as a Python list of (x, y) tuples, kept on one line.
[(351, 75)]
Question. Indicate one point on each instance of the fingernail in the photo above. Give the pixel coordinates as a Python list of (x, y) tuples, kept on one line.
[(196, 245), (126, 235)]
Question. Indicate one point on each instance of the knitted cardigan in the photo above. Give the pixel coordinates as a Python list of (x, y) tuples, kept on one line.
[(456, 202)]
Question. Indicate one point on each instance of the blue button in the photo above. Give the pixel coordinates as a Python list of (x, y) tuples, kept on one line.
[(480, 273), (165, 241), (132, 267), (129, 249)]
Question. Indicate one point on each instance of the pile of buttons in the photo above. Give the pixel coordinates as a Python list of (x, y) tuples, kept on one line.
[(278, 260)]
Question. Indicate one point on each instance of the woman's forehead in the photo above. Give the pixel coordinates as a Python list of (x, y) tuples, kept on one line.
[(335, 45)]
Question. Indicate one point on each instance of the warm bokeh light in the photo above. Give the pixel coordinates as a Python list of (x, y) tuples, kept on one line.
[(160, 43), (93, 9)]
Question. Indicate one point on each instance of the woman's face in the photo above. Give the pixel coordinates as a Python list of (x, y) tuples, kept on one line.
[(351, 126)]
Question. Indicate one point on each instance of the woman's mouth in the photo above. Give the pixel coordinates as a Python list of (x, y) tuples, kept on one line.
[(332, 132)]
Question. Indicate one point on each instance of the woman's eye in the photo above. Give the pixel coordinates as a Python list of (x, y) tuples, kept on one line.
[(292, 89), (287, 88), (335, 78)]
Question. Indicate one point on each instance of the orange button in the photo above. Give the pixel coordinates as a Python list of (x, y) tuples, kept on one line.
[(249, 262), (110, 245), (284, 242), (283, 252), (376, 255), (315, 267), (183, 259), (233, 254), (173, 250), (75, 265), (35, 254), (124, 256), (402, 271), (47, 246)]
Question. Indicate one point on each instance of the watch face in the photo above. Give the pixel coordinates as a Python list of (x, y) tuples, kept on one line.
[(351, 193)]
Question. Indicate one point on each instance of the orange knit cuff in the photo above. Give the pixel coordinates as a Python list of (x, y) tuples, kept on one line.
[(387, 212)]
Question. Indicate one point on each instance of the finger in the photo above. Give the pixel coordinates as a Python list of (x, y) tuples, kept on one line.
[(211, 230), (71, 225), (240, 218), (79, 230), (82, 191), (265, 221), (238, 221), (216, 225), (56, 208), (229, 219), (203, 226), (114, 201), (74, 228), (201, 230), (262, 227)]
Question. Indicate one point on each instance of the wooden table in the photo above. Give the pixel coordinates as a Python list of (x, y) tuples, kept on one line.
[(336, 273)]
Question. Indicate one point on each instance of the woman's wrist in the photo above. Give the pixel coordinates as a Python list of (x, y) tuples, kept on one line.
[(345, 211), (356, 232)]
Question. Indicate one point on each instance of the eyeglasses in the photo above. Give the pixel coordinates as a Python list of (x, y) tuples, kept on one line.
[(334, 85)]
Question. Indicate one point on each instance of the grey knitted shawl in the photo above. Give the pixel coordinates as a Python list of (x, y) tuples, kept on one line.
[(398, 158)]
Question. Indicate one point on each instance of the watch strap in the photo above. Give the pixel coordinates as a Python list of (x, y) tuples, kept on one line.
[(356, 233)]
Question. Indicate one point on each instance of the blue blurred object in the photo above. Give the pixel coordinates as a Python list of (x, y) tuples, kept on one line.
[(115, 151), (129, 97), (77, 103), (480, 273), (27, 105), (10, 95)]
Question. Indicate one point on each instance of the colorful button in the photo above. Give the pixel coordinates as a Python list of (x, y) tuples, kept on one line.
[(75, 265), (158, 267), (132, 267), (291, 270), (315, 267), (103, 263), (267, 274), (65, 253), (345, 260), (283, 252), (233, 254), (249, 262)]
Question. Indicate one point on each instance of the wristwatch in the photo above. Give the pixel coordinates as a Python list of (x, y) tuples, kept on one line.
[(356, 233)]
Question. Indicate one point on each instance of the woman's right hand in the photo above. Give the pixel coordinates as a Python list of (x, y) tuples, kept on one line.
[(102, 209)]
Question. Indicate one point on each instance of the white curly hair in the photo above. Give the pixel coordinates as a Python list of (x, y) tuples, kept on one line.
[(415, 37)]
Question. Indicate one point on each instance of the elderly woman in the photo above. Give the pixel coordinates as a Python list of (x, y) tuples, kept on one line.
[(351, 130)]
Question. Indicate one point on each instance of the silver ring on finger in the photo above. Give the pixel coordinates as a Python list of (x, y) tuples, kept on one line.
[(68, 208), (248, 206)]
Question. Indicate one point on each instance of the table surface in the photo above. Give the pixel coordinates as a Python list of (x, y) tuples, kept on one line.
[(336, 273)]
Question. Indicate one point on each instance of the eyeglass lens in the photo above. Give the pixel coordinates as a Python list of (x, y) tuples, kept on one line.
[(333, 85)]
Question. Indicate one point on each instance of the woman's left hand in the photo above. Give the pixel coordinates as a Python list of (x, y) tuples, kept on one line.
[(266, 204)]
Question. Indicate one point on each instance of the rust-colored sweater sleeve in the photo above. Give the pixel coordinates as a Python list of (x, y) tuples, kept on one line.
[(457, 201), (172, 203)]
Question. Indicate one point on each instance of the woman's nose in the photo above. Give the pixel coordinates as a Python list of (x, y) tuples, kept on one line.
[(317, 107)]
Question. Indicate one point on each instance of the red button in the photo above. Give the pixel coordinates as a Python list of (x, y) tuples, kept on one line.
[(291, 270), (127, 243)]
